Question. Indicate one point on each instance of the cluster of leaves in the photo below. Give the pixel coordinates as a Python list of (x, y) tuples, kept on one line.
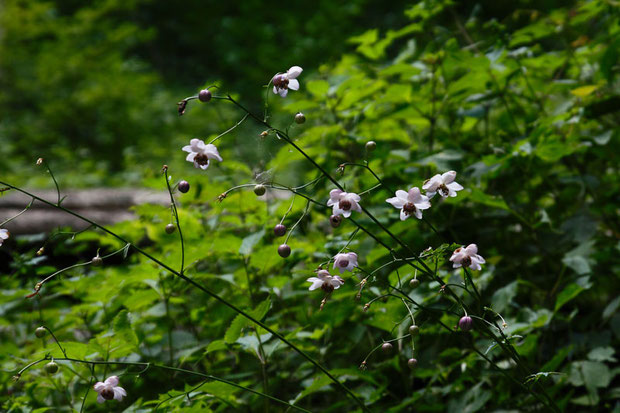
[(525, 108)]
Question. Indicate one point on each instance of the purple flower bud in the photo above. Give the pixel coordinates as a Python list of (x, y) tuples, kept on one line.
[(466, 323), (412, 363), (387, 348), (204, 95), (170, 228), (371, 146), (414, 330), (279, 230), (284, 250), (183, 186)]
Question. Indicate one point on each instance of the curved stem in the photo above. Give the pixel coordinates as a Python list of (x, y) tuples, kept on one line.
[(176, 219)]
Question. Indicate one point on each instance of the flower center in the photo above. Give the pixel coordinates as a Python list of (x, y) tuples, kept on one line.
[(107, 394), (280, 82), (409, 208), (443, 190), (345, 205), (201, 159), (466, 262), (343, 263), (327, 287)]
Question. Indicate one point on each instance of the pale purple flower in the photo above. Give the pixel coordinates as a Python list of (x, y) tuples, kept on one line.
[(443, 184), (344, 202), (410, 203), (200, 154), (282, 82), (467, 257), (325, 281), (4, 234), (345, 262), (109, 389)]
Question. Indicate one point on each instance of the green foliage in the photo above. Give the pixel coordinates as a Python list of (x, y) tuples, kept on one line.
[(522, 102)]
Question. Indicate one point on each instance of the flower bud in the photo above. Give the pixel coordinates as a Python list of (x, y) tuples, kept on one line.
[(204, 95), (414, 330), (279, 230), (300, 118), (39, 161), (40, 251), (335, 221), (415, 283), (40, 332), (183, 186), (284, 250), (466, 323), (260, 190), (371, 146), (387, 348), (170, 228), (51, 367), (96, 261), (412, 363)]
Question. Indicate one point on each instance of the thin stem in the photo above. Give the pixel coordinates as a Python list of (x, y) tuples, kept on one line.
[(15, 216), (176, 219), (230, 129), (206, 291), (297, 223), (56, 340), (47, 166)]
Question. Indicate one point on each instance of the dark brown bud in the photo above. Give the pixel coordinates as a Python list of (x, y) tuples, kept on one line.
[(414, 330), (170, 228), (183, 186), (371, 146), (284, 250), (279, 230), (387, 348), (40, 332), (182, 105), (204, 95), (412, 363), (96, 261), (335, 221), (300, 118), (415, 283), (260, 189)]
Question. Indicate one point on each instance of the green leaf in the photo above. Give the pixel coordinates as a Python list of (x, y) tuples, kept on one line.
[(234, 331), (318, 88), (571, 291), (248, 243)]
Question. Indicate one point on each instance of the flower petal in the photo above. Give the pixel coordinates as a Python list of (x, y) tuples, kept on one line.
[(275, 90), (403, 215), (111, 381), (100, 399), (414, 195), (293, 72), (283, 92), (187, 148), (448, 177), (396, 202), (402, 195), (190, 156), (335, 194), (99, 386), (454, 186), (293, 84), (418, 213), (119, 393)]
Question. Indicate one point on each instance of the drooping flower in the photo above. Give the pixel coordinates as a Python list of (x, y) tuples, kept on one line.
[(325, 281), (4, 234), (345, 262), (467, 257), (410, 203), (443, 184), (282, 82), (109, 389), (344, 202), (200, 154)]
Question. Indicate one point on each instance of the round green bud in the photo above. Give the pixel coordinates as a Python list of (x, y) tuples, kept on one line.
[(40, 332), (170, 228), (260, 190), (371, 146), (51, 367)]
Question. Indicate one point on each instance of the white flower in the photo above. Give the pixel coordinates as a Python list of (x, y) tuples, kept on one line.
[(344, 202), (444, 184), (325, 281), (109, 390), (282, 82), (467, 257), (4, 234), (412, 202), (345, 262), (200, 154)]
